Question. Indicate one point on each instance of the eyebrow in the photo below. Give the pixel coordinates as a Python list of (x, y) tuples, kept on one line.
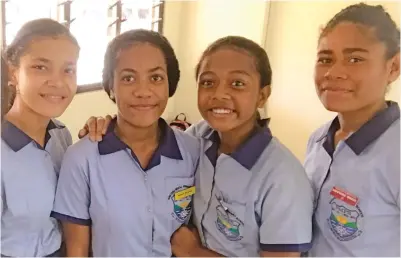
[(345, 51), (42, 59), (130, 70), (241, 72), (47, 61), (231, 72)]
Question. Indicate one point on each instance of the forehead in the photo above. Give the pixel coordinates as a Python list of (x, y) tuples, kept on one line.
[(350, 35), (141, 55), (229, 59), (56, 49)]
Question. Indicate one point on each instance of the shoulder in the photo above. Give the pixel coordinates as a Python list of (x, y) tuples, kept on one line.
[(188, 144), (61, 131), (82, 150), (319, 133), (281, 166), (199, 129)]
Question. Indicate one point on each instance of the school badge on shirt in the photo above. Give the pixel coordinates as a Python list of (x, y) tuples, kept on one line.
[(346, 216), (181, 198), (228, 223)]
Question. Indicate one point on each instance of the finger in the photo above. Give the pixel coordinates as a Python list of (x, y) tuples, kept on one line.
[(82, 133), (106, 124), (91, 128), (99, 128)]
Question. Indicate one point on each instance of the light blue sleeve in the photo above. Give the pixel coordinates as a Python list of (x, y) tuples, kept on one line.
[(73, 189), (286, 219)]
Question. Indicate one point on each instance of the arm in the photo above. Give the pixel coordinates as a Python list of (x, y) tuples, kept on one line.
[(286, 212), (203, 252), (77, 239), (71, 204), (185, 242)]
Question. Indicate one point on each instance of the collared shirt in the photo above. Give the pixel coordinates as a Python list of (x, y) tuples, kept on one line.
[(133, 210), (28, 184), (357, 188), (256, 199)]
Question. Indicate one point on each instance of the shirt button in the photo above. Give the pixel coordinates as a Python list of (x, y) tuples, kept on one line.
[(149, 210)]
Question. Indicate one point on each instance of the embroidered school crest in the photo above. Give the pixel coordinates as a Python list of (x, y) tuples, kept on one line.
[(228, 224), (345, 220), (181, 198)]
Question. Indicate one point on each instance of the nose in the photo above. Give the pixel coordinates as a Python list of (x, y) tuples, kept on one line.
[(221, 92), (142, 90), (336, 71), (56, 79)]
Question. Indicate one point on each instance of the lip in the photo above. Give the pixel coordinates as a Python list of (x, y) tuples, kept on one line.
[(221, 111), (336, 90), (53, 98), (144, 107)]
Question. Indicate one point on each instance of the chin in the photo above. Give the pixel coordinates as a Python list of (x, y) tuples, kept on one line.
[(142, 123), (51, 113), (337, 107), (220, 126)]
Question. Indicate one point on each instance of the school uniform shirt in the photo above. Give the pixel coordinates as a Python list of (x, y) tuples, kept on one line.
[(28, 184), (133, 211), (256, 199), (357, 188)]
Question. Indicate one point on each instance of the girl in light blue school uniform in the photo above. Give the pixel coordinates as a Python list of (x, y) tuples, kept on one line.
[(354, 160), (127, 194), (42, 60), (253, 197)]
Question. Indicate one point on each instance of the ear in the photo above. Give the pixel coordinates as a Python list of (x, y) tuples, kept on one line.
[(394, 68), (112, 96), (12, 74), (264, 94)]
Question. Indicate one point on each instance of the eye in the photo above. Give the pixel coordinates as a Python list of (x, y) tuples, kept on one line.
[(355, 60), (237, 83), (324, 60), (70, 70), (156, 78), (206, 83), (39, 67), (128, 78)]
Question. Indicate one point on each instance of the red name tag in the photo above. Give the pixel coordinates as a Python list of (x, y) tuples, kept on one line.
[(344, 196)]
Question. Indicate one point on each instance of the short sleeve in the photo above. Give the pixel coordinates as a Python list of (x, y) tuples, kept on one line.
[(72, 195), (286, 215)]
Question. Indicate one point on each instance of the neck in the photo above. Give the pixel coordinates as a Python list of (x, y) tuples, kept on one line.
[(352, 121), (134, 136), (31, 123), (231, 140)]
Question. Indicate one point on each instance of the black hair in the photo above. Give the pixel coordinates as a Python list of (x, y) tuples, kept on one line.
[(4, 88), (257, 52), (30, 31), (376, 17), (131, 37)]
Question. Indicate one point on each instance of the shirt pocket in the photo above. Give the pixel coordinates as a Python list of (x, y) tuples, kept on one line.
[(180, 191), (230, 219)]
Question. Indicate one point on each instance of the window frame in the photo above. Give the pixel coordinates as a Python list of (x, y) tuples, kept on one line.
[(65, 7)]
